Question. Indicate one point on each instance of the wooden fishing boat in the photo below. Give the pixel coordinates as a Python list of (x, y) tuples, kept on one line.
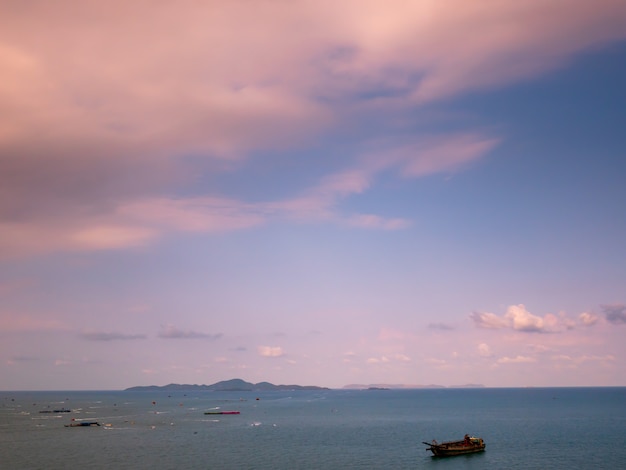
[(60, 410), (77, 424), (468, 445), (218, 412)]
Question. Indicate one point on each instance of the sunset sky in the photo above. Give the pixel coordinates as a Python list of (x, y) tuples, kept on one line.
[(312, 192)]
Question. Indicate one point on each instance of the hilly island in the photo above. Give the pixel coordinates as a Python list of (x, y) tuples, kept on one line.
[(233, 385)]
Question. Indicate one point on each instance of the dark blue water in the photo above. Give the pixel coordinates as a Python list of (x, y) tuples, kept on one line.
[(535, 428)]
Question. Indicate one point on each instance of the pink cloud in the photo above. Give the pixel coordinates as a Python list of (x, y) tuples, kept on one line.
[(518, 318), (588, 318), (92, 128), (575, 361), (256, 89), (378, 222), (22, 239), (479, 45), (132, 224), (522, 320), (488, 320), (203, 214), (516, 360), (418, 158), (388, 358), (484, 350), (101, 237), (21, 322), (270, 351), (443, 154)]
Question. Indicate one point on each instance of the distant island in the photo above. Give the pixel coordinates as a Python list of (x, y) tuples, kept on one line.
[(405, 386), (233, 385), (239, 385)]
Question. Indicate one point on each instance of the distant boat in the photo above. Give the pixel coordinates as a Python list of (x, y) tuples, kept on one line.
[(217, 412), (60, 410), (468, 445), (76, 424)]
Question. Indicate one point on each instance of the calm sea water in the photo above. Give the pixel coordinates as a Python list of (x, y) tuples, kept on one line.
[(535, 428)]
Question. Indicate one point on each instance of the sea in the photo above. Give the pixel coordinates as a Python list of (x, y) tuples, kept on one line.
[(523, 428)]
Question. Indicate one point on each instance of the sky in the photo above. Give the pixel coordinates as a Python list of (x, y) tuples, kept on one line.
[(312, 192)]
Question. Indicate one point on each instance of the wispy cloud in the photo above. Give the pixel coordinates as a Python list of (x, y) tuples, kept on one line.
[(488, 320), (372, 221), (141, 221), (109, 336), (436, 154), (172, 332), (576, 360), (22, 359), (24, 321), (377, 360)]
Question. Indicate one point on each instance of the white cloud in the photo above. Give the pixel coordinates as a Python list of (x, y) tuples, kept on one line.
[(484, 350), (402, 358), (576, 360), (488, 320), (561, 357), (270, 351), (588, 318), (518, 318), (516, 360), (522, 320), (378, 360)]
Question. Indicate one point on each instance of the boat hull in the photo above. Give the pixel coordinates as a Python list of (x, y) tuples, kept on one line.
[(450, 451)]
